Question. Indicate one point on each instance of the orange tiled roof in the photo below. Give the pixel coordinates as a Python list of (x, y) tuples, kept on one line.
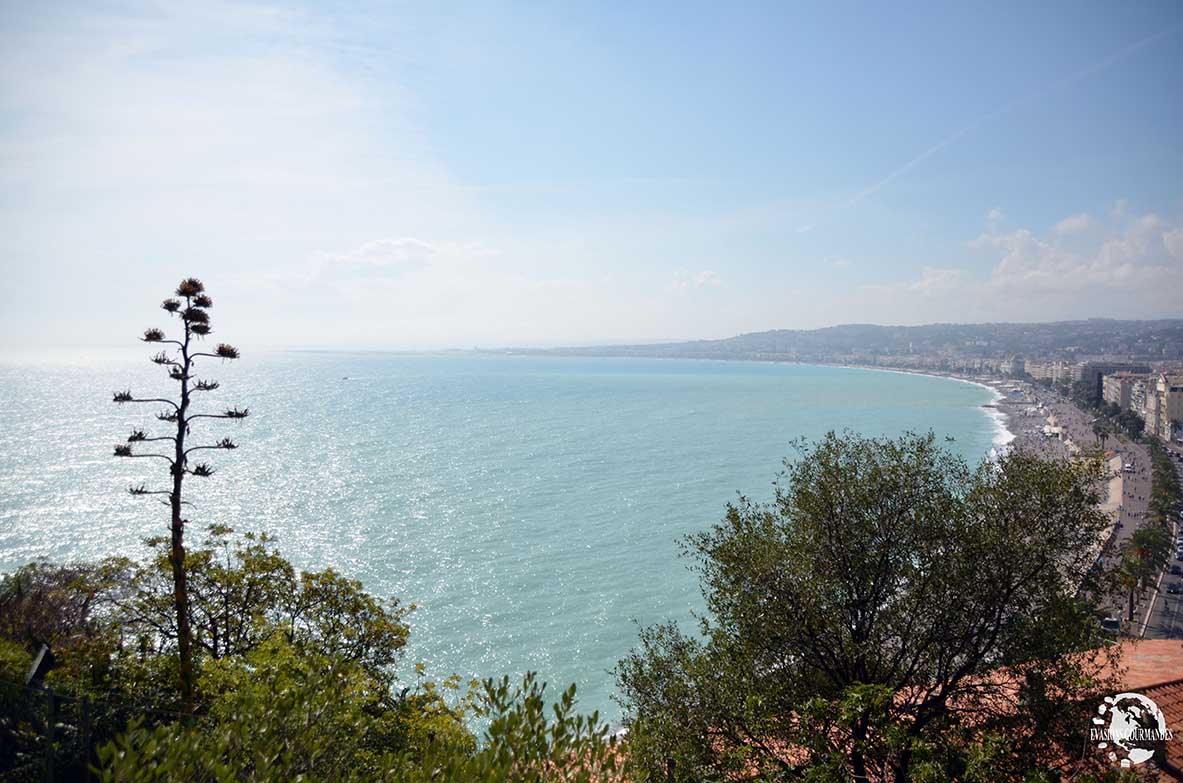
[(1151, 662), (1155, 668), (1169, 698)]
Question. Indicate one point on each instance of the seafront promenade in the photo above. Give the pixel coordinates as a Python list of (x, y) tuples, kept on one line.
[(1158, 611), (1043, 422)]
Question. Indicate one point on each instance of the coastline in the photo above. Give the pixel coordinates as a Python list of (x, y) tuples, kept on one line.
[(1000, 410)]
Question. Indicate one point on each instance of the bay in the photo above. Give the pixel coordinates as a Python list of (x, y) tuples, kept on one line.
[(530, 506)]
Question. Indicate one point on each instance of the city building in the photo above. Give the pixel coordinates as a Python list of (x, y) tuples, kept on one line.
[(1142, 391), (1047, 370), (1149, 409), (1118, 388), (1169, 389), (1092, 372), (1012, 365)]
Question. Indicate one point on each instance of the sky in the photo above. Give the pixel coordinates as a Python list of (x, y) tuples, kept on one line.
[(449, 175)]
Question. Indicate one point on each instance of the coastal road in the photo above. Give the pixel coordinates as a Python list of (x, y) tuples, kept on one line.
[(1077, 426), (1166, 613), (1157, 613)]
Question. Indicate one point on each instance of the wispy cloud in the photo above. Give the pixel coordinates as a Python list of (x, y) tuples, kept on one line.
[(388, 253), (932, 281), (687, 281)]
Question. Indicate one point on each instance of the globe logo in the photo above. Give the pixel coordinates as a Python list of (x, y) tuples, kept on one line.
[(1131, 725)]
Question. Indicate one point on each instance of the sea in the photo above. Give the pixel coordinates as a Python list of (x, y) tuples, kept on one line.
[(531, 507)]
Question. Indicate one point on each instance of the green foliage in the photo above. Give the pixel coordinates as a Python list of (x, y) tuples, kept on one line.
[(1131, 423), (295, 679), (524, 744), (14, 661), (1166, 494), (275, 713), (1142, 556), (854, 623), (439, 712), (1141, 559), (240, 590), (112, 630), (296, 718), (42, 603), (1102, 430), (18, 738), (1111, 419), (1085, 395)]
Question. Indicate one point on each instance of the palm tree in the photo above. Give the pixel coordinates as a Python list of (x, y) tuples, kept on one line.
[(1142, 558), (1101, 431)]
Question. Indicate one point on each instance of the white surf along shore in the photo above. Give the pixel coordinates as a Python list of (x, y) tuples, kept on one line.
[(998, 418)]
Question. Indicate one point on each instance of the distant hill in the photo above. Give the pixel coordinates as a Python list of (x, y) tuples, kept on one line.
[(1151, 340)]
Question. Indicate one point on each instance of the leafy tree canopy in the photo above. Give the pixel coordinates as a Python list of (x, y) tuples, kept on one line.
[(296, 678), (892, 613)]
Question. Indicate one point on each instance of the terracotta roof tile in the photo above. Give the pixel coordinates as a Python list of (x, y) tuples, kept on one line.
[(1151, 662), (1169, 698)]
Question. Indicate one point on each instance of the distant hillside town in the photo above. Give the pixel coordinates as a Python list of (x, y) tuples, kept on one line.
[(1126, 367)]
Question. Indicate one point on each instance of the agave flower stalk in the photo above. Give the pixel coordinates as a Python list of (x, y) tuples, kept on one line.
[(191, 307)]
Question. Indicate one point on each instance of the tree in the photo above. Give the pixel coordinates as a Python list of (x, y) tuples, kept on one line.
[(1085, 395), (1101, 431), (180, 363), (1141, 560), (293, 718), (892, 614), (112, 628), (526, 740), (1166, 495), (1132, 423), (242, 591), (46, 604), (277, 713)]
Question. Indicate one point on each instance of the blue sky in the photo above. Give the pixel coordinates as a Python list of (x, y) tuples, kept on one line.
[(447, 175)]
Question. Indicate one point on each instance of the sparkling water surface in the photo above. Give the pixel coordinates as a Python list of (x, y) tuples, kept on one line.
[(530, 506)]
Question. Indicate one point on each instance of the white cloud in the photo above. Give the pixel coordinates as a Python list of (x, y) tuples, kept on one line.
[(1076, 224), (292, 167), (933, 280), (686, 281), (142, 150), (1122, 267), (930, 282), (1174, 243), (388, 254), (1136, 253)]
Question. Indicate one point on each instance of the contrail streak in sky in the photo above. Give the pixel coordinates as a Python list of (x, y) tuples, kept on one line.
[(1072, 78)]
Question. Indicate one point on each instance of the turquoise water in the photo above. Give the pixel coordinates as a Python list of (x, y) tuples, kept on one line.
[(530, 506)]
